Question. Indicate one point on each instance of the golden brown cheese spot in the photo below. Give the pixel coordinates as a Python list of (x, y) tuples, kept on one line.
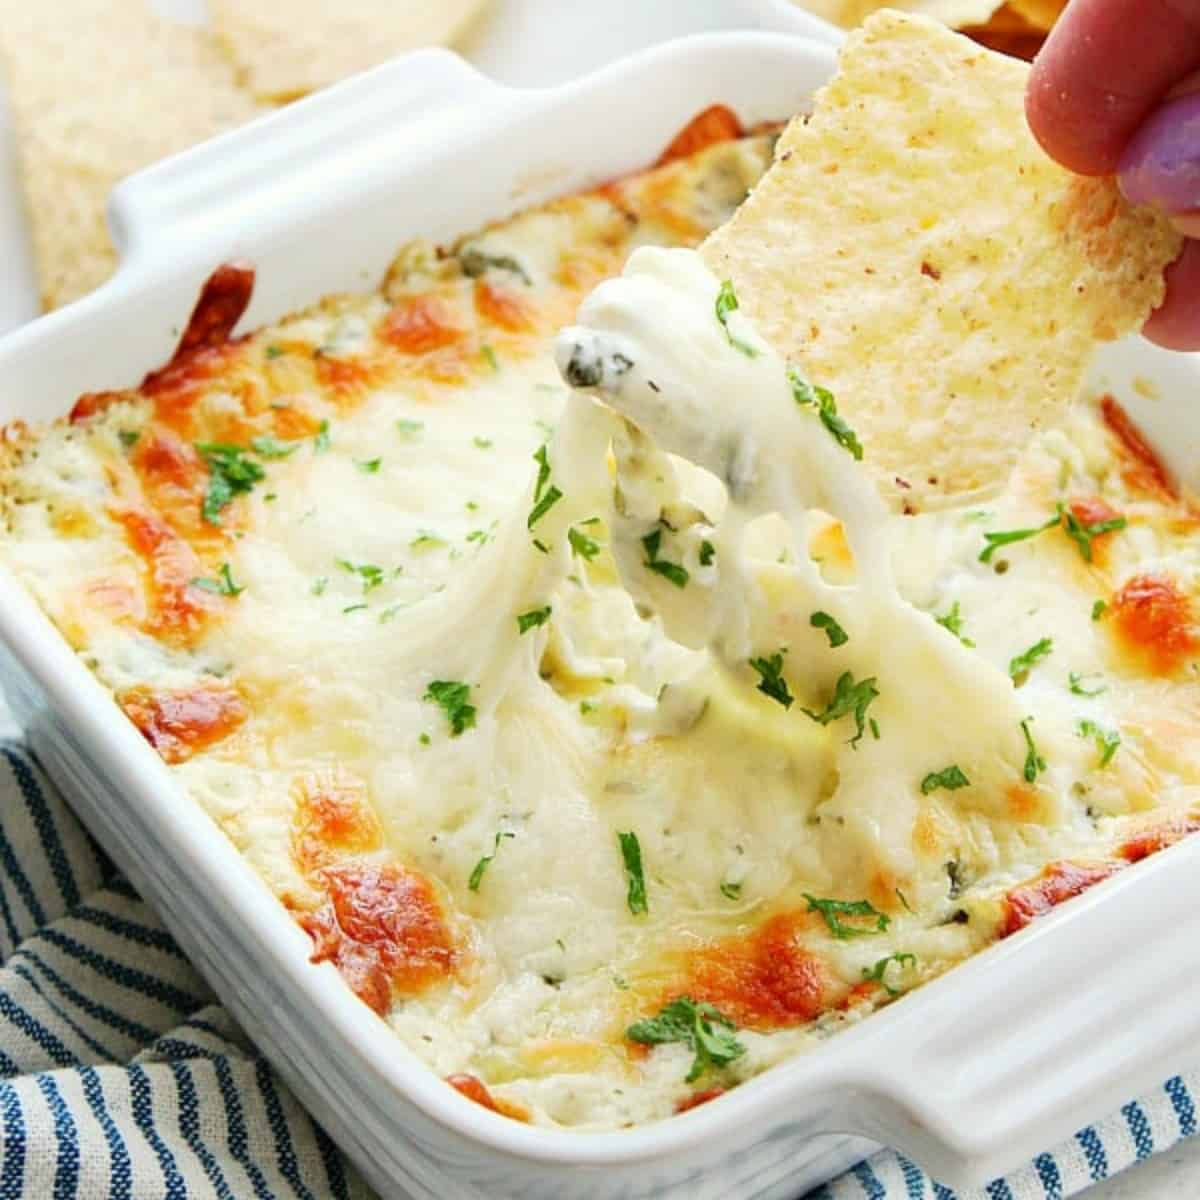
[(1153, 620), (1023, 801), (91, 404), (504, 307), (698, 1098), (183, 721), (345, 378), (173, 478), (421, 324), (220, 306), (115, 599), (717, 123), (664, 200), (474, 1089), (292, 422), (382, 928), (1092, 510), (762, 980), (177, 610), (1058, 882), (1141, 467), (1151, 841), (333, 820)]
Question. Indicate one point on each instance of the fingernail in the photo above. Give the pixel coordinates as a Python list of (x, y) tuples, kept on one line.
[(1161, 165)]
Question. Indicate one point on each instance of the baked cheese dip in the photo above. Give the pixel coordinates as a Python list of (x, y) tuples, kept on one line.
[(613, 748)]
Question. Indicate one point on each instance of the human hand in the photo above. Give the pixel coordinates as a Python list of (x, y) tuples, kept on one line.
[(1116, 89)]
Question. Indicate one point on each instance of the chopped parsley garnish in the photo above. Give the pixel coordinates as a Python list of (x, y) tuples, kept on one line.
[(223, 585), (425, 739), (848, 697), (833, 912), (836, 634), (1107, 740), (369, 466), (806, 394), (707, 553), (1082, 533), (544, 498), (482, 443), (274, 351), (541, 546), (353, 608), (319, 585), (1098, 609), (489, 356), (321, 440), (271, 447), (953, 622), (410, 429), (674, 572), (454, 699), (128, 437), (475, 262), (1021, 664), (1034, 762), (532, 619), (585, 547), (771, 682), (426, 539), (1005, 538), (551, 497), (700, 1027), (478, 535), (371, 575), (231, 473), (731, 891), (631, 855), (951, 778), (877, 973), (482, 865), (1075, 684), (727, 303)]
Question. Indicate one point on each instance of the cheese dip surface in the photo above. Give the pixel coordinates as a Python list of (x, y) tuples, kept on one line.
[(613, 744)]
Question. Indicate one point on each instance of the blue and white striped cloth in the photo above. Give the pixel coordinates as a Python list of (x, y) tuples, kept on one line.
[(122, 1079)]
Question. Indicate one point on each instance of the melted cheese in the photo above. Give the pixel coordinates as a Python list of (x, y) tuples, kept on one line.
[(388, 546)]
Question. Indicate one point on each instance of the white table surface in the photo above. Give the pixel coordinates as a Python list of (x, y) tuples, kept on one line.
[(535, 42)]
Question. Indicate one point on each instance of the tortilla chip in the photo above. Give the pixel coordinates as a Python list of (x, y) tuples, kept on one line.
[(284, 50), (99, 89), (1040, 13), (955, 13), (915, 251)]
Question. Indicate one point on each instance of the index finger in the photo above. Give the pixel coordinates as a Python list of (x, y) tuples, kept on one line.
[(1103, 69)]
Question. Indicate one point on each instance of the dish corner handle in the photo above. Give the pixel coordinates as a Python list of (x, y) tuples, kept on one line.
[(1049, 1032), (291, 146)]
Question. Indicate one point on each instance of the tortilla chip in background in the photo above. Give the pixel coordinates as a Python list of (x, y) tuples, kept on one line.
[(955, 13), (1039, 13), (99, 89), (283, 50), (913, 250)]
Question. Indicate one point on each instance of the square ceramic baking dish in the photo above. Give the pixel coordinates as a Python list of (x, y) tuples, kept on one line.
[(970, 1075)]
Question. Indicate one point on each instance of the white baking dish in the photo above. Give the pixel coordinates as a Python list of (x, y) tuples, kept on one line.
[(970, 1074)]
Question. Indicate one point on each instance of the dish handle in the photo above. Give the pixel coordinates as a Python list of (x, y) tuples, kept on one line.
[(302, 146), (1057, 1027)]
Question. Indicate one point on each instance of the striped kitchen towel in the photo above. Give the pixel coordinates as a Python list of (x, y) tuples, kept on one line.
[(122, 1079)]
